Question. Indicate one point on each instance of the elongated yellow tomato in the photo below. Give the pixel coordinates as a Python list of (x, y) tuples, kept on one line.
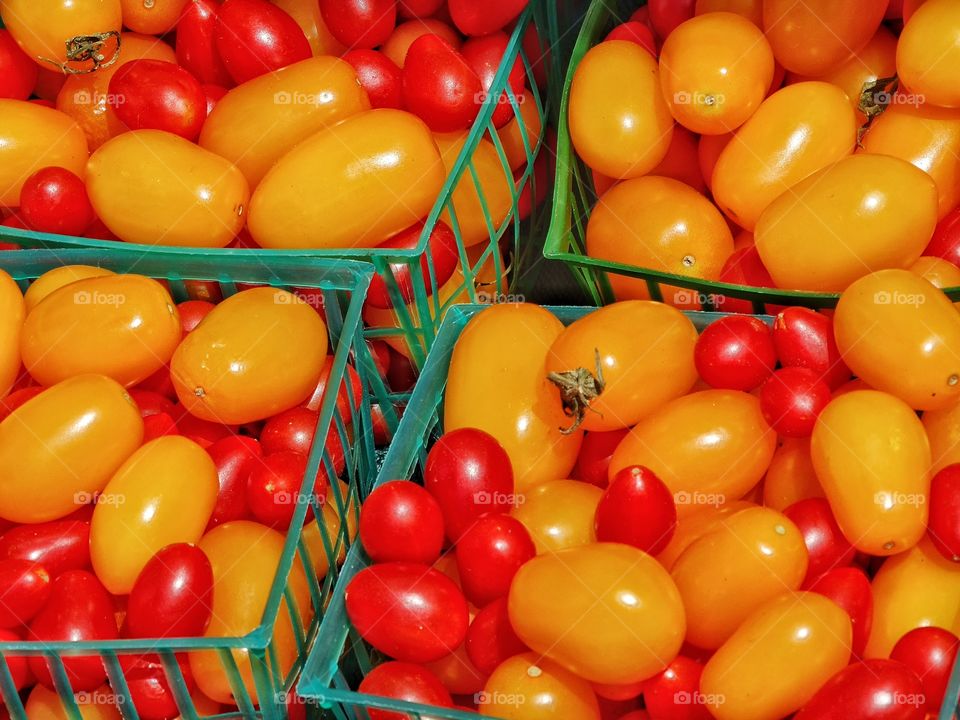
[(795, 132), (938, 272), (530, 687), (695, 525), (899, 309), (34, 137), (507, 394), (351, 185), (644, 352), (872, 457), (53, 280), (308, 17), (710, 447), (163, 494), (155, 188), (723, 576), (632, 134), (898, 607), (865, 213), (511, 135), (45, 704), (943, 431), (123, 326), (258, 122), (778, 658), (566, 605), (790, 477), (244, 556), (237, 365), (60, 447), (12, 312), (559, 514), (928, 53)]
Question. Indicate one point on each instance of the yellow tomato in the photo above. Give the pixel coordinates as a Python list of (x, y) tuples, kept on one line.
[(237, 366), (914, 589), (398, 44), (607, 612), (313, 536), (45, 704), (258, 122), (632, 133), (749, 558), (715, 70), (244, 556), (943, 431), (60, 447), (123, 326), (163, 494), (752, 10), (644, 352), (778, 658), (865, 213), (795, 132), (790, 477), (710, 447), (308, 17), (928, 53), (898, 309), (873, 458), (152, 17), (694, 525), (498, 383), (34, 137), (529, 687), (559, 514), (53, 280), (938, 272), (511, 137), (12, 312), (352, 185)]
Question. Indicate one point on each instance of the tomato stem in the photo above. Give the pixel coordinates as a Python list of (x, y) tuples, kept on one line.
[(875, 98), (87, 48), (578, 388)]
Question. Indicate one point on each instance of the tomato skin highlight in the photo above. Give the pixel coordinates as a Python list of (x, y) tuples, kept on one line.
[(637, 509), (255, 37), (863, 689), (401, 522), (175, 103), (930, 652), (172, 595)]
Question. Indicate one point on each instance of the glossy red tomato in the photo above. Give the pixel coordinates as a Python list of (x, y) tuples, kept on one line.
[(441, 253), (400, 521), (192, 312), (349, 394), (360, 24), (408, 611), (26, 587), (16, 664), (151, 403), (874, 689), (827, 548), (804, 338), (212, 94), (159, 95), (407, 682), (930, 652), (254, 37), (489, 554), (674, 693), (636, 32), (491, 639), (439, 86), (57, 546), (943, 525), (273, 488), (233, 456), (158, 425), (292, 430), (484, 55), (469, 473), (418, 8), (735, 353), (665, 15), (54, 200), (150, 689), (791, 399), (18, 73), (744, 267), (945, 242), (849, 588), (379, 76), (637, 509), (196, 43), (473, 18), (173, 594), (593, 462), (202, 432)]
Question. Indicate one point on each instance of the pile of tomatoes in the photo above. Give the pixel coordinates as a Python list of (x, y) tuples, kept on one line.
[(772, 143), (152, 458)]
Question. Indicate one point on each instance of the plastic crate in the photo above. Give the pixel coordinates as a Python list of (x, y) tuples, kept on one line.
[(341, 288)]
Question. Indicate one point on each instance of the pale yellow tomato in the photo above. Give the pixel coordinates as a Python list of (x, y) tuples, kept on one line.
[(12, 312), (938, 272), (53, 280), (928, 53), (559, 514)]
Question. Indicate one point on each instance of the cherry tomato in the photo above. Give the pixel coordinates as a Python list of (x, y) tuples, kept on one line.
[(212, 95), (804, 338), (457, 673), (827, 548), (292, 430), (26, 587), (489, 554), (943, 526), (559, 514), (404, 681), (408, 611), (938, 272), (358, 24), (440, 86), (593, 462), (682, 161), (695, 525), (175, 102), (202, 432), (150, 689), (192, 313), (152, 403), (401, 522), (635, 32), (927, 47), (155, 19), (255, 37), (442, 255), (172, 595), (418, 8), (930, 652), (233, 456), (473, 19), (485, 55), (849, 588), (750, 9), (398, 44), (735, 353), (637, 509), (945, 242), (532, 681), (19, 72), (744, 267), (379, 76), (274, 488), (791, 399), (17, 398), (674, 694), (708, 152), (158, 425), (55, 279), (100, 704), (881, 689), (55, 546), (54, 200), (345, 405), (491, 639), (943, 431), (666, 15), (196, 44)]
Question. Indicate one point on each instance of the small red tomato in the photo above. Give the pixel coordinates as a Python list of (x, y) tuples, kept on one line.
[(24, 588), (54, 200), (735, 353), (234, 456), (292, 430), (484, 55), (595, 453), (349, 394), (482, 18), (635, 32), (827, 548), (637, 509), (791, 399), (402, 374), (212, 95), (196, 44), (943, 525), (872, 689), (173, 594), (159, 95), (930, 652), (17, 398), (202, 432), (18, 73), (58, 546), (150, 689), (152, 403), (158, 425), (360, 24), (379, 76), (744, 267), (491, 639), (439, 86), (408, 611), (255, 36), (160, 382), (16, 664), (665, 15), (673, 694), (489, 554), (469, 474), (418, 8), (273, 488), (192, 312), (945, 242), (407, 682), (849, 588), (804, 338), (441, 254), (400, 521)]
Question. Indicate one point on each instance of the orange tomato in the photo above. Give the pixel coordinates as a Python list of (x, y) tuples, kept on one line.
[(53, 280), (778, 658), (752, 10), (795, 132), (790, 477), (403, 36), (559, 514), (943, 431), (928, 53), (696, 524), (530, 687), (316, 539), (632, 134), (511, 137), (237, 367), (910, 7), (309, 18), (155, 17), (12, 312), (60, 447), (571, 604), (938, 272), (45, 704)]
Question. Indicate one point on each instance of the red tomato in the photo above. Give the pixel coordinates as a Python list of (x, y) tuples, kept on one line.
[(943, 525), (292, 430), (489, 554), (827, 548), (173, 594), (360, 24), (349, 396), (418, 8), (439, 86), (593, 462), (17, 398), (254, 37), (233, 456), (152, 403), (849, 588), (400, 521), (159, 95), (945, 242), (804, 338), (682, 160), (874, 689), (408, 611), (491, 639), (158, 425), (150, 689), (57, 546), (379, 76), (202, 432), (930, 652), (16, 664), (636, 32), (273, 488), (791, 399), (473, 18), (637, 509), (402, 374), (192, 312), (196, 44), (18, 73), (441, 252), (212, 94), (674, 693), (54, 200), (665, 15), (744, 267), (469, 474), (484, 55), (735, 353), (407, 682), (26, 587)]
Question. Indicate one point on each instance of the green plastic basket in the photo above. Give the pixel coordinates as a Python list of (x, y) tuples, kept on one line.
[(341, 288)]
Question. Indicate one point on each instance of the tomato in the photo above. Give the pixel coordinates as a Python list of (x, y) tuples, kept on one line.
[(632, 135), (172, 595), (531, 687), (398, 44), (379, 76), (157, 18), (255, 37), (408, 611), (942, 526), (437, 265), (928, 47), (882, 689), (930, 652), (635, 32), (136, 324), (150, 689), (55, 546), (406, 682), (898, 306), (54, 200), (18, 664), (938, 272), (472, 19), (735, 353), (708, 152), (559, 514), (19, 73), (945, 242), (358, 24), (805, 338), (401, 522), (607, 379), (338, 523), (943, 431), (158, 425), (45, 704), (233, 456), (814, 38), (274, 488), (12, 311), (750, 9), (79, 610), (593, 462), (345, 405), (509, 395), (491, 639), (791, 399), (489, 554), (73, 36), (17, 398), (827, 548), (794, 133), (695, 525), (637, 509), (440, 86), (196, 43), (674, 694), (457, 673), (484, 55), (682, 161), (418, 8), (175, 103), (54, 279), (308, 17), (778, 658), (202, 432), (849, 588), (26, 589)]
